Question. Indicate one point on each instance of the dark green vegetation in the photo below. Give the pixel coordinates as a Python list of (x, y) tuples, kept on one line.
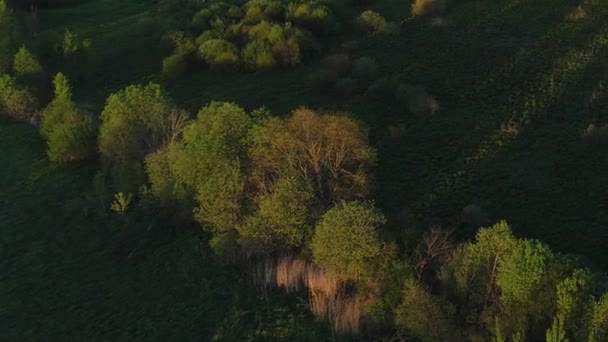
[(466, 114)]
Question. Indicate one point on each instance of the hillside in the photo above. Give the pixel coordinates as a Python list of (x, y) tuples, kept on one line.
[(488, 111)]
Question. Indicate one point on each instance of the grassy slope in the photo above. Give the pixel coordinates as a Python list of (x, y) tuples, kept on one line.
[(494, 61), (62, 276)]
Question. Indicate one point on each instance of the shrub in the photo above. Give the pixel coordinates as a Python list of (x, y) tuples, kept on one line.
[(287, 51), (345, 241), (316, 18), (309, 46), (21, 105), (258, 55), (219, 53), (596, 135), (275, 11), (175, 65), (25, 64), (365, 69), (73, 140), (338, 63), (370, 22), (70, 133), (78, 56), (428, 7)]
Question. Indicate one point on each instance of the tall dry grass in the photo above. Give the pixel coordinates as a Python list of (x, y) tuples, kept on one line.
[(329, 300)]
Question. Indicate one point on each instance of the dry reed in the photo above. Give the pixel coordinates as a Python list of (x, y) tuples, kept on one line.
[(328, 300)]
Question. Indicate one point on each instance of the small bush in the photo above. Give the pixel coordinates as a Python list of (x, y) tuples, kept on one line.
[(219, 53), (370, 22), (287, 52), (175, 66), (596, 135), (316, 18), (258, 55), (275, 11), (25, 64), (20, 105), (338, 63), (365, 69), (429, 7)]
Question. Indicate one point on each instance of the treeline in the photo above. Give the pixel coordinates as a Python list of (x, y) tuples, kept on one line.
[(296, 186)]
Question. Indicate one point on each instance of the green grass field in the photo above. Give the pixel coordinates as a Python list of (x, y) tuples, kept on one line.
[(493, 62)]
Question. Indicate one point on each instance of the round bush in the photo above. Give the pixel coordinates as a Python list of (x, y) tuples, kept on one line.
[(219, 53), (258, 55), (428, 7), (369, 22), (21, 105), (287, 52), (175, 66)]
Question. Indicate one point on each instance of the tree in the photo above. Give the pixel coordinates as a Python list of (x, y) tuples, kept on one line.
[(574, 307), (9, 34), (329, 150), (134, 122), (207, 164), (283, 218), (69, 132), (25, 64), (425, 316), (346, 241)]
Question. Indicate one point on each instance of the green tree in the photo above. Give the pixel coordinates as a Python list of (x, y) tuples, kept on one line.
[(25, 64), (283, 218), (345, 242), (574, 306), (9, 37), (598, 330), (427, 317), (134, 122), (69, 132), (207, 164)]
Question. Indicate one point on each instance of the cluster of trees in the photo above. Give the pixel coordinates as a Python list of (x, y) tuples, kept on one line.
[(342, 76), (502, 288), (254, 35), (257, 35), (24, 78), (266, 185)]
